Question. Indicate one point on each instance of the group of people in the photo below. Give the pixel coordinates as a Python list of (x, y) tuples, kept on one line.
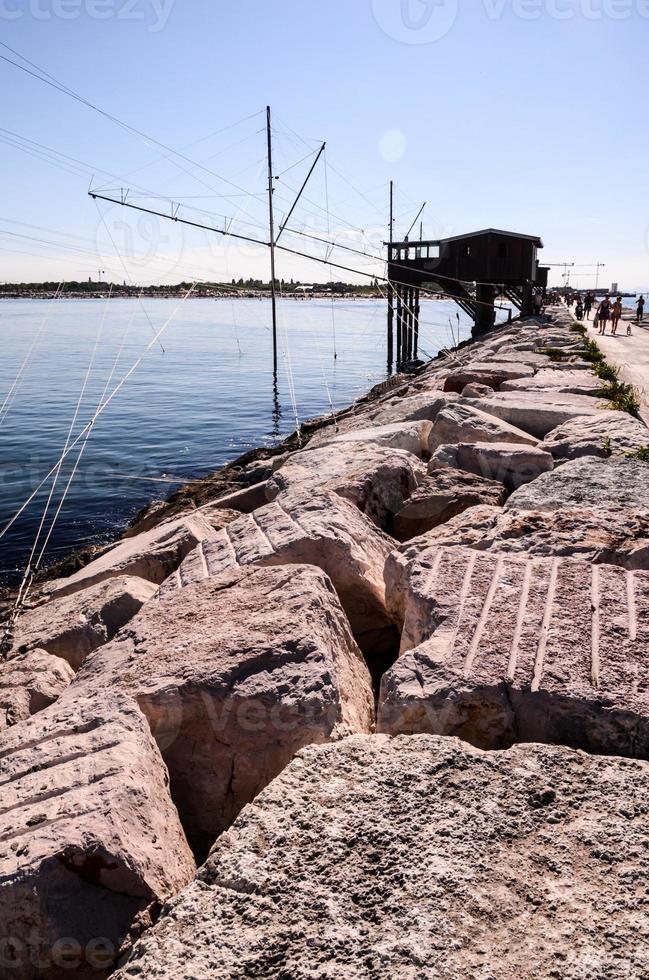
[(608, 310)]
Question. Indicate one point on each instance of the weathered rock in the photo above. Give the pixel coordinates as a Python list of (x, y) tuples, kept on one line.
[(421, 858), (476, 390), (153, 555), (621, 484), (424, 406), (444, 494), (90, 843), (498, 649), (233, 680), (563, 382), (512, 464), (516, 355), (492, 373), (412, 437), (322, 530), (74, 625), (537, 413), (605, 434), (596, 534), (463, 423), (377, 481), (30, 682)]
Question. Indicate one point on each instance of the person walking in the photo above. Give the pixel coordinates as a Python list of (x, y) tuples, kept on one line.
[(588, 305), (640, 310), (603, 314), (616, 314)]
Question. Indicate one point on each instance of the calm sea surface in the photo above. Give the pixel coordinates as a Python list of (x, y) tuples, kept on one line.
[(183, 413)]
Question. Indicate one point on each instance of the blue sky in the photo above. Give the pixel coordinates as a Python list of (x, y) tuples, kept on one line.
[(528, 115)]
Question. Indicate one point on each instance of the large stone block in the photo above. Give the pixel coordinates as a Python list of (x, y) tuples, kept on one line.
[(375, 480), (512, 464), (322, 530), (498, 649), (152, 555), (72, 626), (421, 858), (463, 423), (234, 679), (412, 437), (30, 682), (597, 534), (90, 842), (613, 484), (537, 413), (604, 434), (569, 382), (492, 373), (443, 495)]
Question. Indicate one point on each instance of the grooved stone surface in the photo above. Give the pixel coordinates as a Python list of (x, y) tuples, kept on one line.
[(152, 555), (89, 838), (424, 859), (497, 649), (323, 530), (234, 679)]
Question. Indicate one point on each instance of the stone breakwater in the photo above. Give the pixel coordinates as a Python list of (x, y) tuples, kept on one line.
[(390, 693)]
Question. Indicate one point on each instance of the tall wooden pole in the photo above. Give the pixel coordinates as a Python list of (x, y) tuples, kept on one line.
[(390, 288), (271, 222)]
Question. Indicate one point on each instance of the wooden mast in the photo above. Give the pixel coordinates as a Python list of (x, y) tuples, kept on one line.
[(271, 222)]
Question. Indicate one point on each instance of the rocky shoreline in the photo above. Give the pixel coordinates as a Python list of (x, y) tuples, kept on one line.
[(374, 705)]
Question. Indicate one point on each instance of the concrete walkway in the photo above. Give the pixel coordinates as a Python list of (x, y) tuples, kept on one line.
[(630, 354)]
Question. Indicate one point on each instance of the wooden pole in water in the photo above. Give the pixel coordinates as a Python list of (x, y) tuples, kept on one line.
[(271, 221), (390, 287)]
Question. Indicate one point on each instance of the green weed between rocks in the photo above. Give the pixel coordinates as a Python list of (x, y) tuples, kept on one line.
[(641, 454), (622, 397)]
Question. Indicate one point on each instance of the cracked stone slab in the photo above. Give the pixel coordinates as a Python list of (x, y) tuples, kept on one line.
[(421, 858), (498, 649), (90, 842), (322, 530), (234, 677), (72, 626)]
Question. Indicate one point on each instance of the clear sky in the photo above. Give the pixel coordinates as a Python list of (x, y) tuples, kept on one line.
[(527, 115)]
